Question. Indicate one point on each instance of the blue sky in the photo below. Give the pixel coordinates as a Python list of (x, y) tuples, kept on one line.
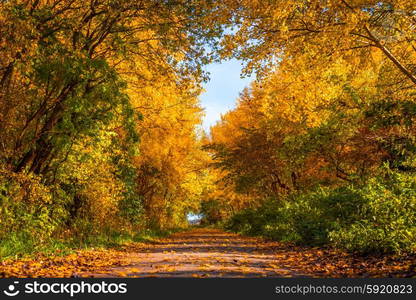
[(222, 91)]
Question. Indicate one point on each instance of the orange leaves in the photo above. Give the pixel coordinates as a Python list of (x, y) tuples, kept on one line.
[(205, 256), (169, 151), (61, 266)]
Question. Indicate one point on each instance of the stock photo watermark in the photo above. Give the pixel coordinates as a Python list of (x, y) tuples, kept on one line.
[(70, 289)]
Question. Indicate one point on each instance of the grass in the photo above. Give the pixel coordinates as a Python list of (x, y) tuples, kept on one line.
[(23, 245)]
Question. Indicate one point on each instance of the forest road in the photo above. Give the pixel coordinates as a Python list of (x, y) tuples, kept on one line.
[(201, 253)]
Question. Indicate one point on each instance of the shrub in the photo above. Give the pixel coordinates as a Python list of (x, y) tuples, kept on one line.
[(378, 217), (300, 218), (387, 222), (28, 216)]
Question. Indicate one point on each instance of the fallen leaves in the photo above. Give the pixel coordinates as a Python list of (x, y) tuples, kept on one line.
[(201, 253), (327, 262)]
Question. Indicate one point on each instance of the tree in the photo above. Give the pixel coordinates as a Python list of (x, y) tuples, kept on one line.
[(64, 66), (326, 29)]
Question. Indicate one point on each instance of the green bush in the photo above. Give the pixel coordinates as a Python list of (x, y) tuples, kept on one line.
[(30, 213), (379, 216), (387, 222), (299, 218), (26, 208)]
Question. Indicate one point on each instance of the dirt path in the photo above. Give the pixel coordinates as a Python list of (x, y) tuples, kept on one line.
[(209, 253), (201, 253)]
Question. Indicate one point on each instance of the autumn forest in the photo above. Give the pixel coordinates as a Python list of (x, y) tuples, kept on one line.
[(101, 143)]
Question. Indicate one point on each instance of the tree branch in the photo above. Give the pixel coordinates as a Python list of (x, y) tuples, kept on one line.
[(390, 56)]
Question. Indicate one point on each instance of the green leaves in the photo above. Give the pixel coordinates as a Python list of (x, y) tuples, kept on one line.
[(378, 217)]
